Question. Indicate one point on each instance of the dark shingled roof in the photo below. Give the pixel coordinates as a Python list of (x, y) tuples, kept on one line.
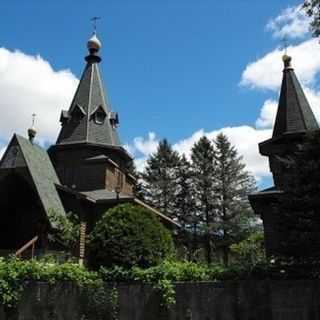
[(90, 98), (294, 113), (42, 173), (104, 195)]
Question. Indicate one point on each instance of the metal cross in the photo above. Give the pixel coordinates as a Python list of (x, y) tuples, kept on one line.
[(285, 43), (94, 19), (33, 118)]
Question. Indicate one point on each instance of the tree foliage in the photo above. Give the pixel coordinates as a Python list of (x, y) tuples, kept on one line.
[(207, 195), (159, 178), (67, 229), (312, 9), (234, 216), (249, 250), (185, 193), (202, 156), (129, 236)]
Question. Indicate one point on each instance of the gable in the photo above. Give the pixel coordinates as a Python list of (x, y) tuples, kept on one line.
[(13, 158), (22, 152)]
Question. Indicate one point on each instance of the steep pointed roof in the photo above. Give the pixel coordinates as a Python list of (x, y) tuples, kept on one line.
[(294, 113), (89, 119), (44, 177)]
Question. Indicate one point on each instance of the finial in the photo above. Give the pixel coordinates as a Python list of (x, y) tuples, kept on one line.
[(94, 19), (32, 131), (94, 43), (285, 43), (286, 58)]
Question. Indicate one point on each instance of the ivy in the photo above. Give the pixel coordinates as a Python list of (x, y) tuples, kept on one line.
[(98, 301)]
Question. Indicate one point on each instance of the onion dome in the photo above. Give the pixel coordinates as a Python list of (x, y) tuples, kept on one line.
[(94, 44), (286, 60), (32, 133)]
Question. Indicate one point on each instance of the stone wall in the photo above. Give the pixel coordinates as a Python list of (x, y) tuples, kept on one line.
[(229, 300)]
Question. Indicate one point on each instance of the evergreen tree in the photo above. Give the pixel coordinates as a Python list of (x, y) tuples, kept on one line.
[(159, 179), (137, 187), (232, 184), (185, 205), (184, 199), (202, 156)]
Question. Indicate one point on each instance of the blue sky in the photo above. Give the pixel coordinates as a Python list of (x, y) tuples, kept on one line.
[(174, 69)]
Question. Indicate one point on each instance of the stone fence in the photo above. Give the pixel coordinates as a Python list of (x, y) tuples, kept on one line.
[(221, 300)]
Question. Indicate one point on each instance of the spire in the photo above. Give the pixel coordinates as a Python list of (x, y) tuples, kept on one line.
[(294, 113), (89, 119)]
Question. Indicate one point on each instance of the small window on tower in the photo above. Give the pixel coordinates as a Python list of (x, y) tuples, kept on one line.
[(76, 117), (77, 113), (99, 117)]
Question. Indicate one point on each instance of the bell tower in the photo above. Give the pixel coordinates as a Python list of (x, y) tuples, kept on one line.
[(88, 154)]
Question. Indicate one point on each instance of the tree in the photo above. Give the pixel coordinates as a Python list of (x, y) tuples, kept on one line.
[(184, 199), (234, 217), (137, 187), (128, 236), (202, 156), (312, 8), (249, 250), (299, 205), (185, 207), (66, 231), (159, 178)]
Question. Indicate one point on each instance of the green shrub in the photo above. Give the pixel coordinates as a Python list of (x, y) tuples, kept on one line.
[(250, 250), (129, 236)]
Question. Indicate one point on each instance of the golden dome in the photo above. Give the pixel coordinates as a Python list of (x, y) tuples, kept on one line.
[(94, 44)]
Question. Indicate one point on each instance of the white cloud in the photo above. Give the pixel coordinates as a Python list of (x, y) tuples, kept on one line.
[(265, 73), (314, 100), (292, 22), (2, 150), (147, 146), (28, 85), (142, 148), (267, 114), (244, 138)]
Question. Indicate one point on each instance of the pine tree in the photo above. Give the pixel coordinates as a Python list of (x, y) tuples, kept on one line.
[(159, 179), (184, 199), (202, 156), (232, 185), (185, 205)]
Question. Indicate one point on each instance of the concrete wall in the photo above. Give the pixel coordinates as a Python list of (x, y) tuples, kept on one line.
[(229, 300)]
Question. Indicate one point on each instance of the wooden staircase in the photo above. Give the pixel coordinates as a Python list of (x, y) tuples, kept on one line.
[(23, 253)]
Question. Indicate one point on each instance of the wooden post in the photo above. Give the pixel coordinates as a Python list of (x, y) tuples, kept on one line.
[(83, 227)]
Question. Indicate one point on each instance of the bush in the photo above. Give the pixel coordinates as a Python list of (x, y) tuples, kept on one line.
[(250, 250), (129, 236)]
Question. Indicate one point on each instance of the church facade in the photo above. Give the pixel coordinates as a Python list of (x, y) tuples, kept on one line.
[(86, 171)]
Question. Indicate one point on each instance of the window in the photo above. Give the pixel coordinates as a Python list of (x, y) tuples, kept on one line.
[(76, 117), (99, 117), (119, 179), (77, 114), (70, 176)]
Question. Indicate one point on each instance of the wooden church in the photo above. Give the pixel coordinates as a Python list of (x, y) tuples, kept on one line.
[(293, 120), (85, 171)]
